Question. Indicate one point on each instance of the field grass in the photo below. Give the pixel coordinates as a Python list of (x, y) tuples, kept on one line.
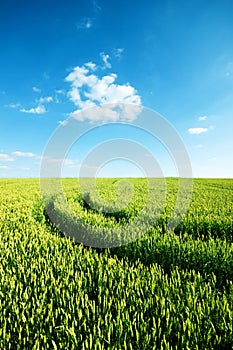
[(169, 289)]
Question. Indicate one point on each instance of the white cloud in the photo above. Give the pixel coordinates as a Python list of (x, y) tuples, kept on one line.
[(46, 99), (96, 6), (87, 166), (60, 91), (129, 111), (4, 167), (5, 158), (65, 161), (13, 105), (91, 65), (108, 113), (79, 77), (118, 52), (46, 76), (63, 122), (229, 69), (202, 118), (105, 91), (24, 154), (89, 90), (36, 89), (85, 23), (88, 23), (96, 114), (196, 131), (200, 146), (37, 110), (105, 57)]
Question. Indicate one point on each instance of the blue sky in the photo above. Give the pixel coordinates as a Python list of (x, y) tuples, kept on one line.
[(59, 57)]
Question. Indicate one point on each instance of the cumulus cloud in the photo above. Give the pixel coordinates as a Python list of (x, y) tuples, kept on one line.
[(37, 110), (5, 158), (196, 131), (24, 154), (202, 118), (89, 90), (108, 113)]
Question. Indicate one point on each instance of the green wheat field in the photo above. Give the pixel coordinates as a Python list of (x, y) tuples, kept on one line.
[(169, 289)]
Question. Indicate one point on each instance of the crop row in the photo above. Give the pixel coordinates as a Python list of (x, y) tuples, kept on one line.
[(169, 289)]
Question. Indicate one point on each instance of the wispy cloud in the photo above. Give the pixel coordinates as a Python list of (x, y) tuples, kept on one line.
[(202, 118), (196, 131), (63, 122), (118, 52), (87, 169), (88, 23), (60, 92), (4, 167), (96, 6), (85, 23), (25, 169), (46, 99), (13, 105), (229, 69), (6, 158), (61, 161), (24, 154), (36, 89), (46, 76), (90, 65), (37, 110), (105, 57)]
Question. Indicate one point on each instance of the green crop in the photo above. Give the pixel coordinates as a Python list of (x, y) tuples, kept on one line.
[(169, 289)]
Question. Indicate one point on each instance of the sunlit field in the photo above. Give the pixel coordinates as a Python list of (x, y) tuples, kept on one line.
[(168, 289)]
